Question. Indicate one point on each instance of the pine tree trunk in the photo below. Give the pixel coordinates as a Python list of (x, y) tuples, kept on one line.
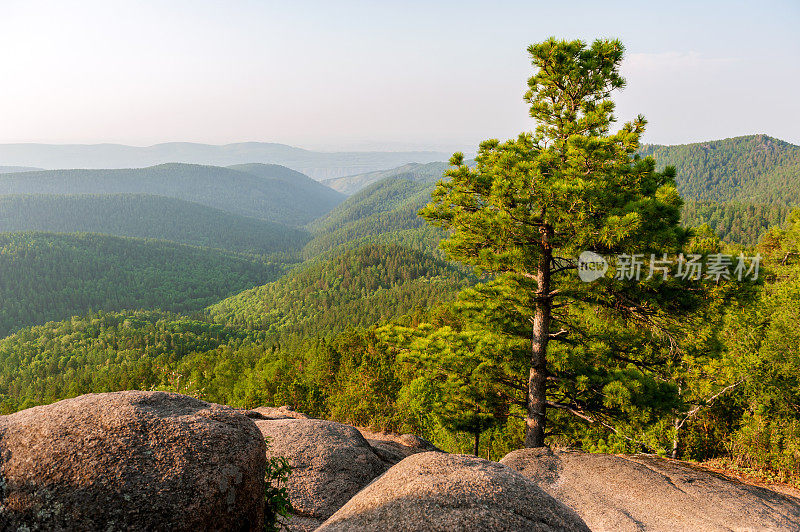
[(477, 442), (677, 424), (537, 379), (676, 438)]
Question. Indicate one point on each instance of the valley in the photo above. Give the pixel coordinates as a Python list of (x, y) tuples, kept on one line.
[(254, 284)]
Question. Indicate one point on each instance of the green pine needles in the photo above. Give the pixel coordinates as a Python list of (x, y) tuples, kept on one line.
[(530, 205)]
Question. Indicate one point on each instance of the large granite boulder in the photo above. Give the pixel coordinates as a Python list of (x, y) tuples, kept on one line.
[(392, 448), (274, 412), (645, 492), (131, 461), (330, 463), (449, 493)]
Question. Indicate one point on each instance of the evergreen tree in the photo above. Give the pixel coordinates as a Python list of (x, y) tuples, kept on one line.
[(532, 203)]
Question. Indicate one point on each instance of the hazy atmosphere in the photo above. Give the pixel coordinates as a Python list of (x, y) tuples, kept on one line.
[(368, 75), (352, 266)]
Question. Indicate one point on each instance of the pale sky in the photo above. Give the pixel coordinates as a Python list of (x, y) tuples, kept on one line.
[(376, 75)]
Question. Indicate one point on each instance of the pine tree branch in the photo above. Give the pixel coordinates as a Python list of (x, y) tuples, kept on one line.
[(707, 402), (598, 421)]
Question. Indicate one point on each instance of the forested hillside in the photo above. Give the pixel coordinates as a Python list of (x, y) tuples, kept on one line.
[(356, 288), (386, 211), (145, 216), (299, 191), (312, 337), (281, 347), (290, 201), (46, 276), (751, 169), (740, 223), (739, 187), (103, 352)]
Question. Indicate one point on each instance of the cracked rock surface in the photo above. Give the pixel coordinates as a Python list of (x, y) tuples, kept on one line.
[(645, 492), (440, 492)]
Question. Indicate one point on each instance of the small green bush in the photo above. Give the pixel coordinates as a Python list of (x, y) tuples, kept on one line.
[(276, 494)]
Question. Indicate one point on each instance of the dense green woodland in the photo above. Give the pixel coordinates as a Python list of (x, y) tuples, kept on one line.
[(386, 210), (371, 328), (146, 216), (103, 352), (737, 223), (266, 192), (748, 340), (47, 276), (356, 288), (740, 186), (751, 169)]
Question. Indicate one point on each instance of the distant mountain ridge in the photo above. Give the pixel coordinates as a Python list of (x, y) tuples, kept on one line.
[(349, 185), (267, 192), (151, 217), (739, 187), (318, 165), (13, 169)]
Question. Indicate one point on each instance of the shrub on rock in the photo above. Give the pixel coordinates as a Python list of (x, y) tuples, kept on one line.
[(330, 462)]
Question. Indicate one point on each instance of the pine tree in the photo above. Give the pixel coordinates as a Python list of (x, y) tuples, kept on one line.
[(532, 204)]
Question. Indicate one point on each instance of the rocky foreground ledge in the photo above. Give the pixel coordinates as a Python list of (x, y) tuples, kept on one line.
[(164, 461)]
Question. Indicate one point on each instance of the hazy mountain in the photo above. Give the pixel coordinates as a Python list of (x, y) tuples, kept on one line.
[(143, 216), (349, 185), (738, 186), (11, 169), (275, 193), (319, 165)]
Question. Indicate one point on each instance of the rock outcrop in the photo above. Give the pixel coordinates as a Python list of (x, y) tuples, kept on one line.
[(274, 412), (131, 461), (440, 492), (330, 462), (391, 448), (644, 492)]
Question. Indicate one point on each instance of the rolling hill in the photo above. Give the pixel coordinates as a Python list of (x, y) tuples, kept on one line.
[(144, 216), (384, 212), (750, 169), (739, 187), (47, 276), (290, 201), (358, 287), (12, 169), (349, 185), (319, 165)]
